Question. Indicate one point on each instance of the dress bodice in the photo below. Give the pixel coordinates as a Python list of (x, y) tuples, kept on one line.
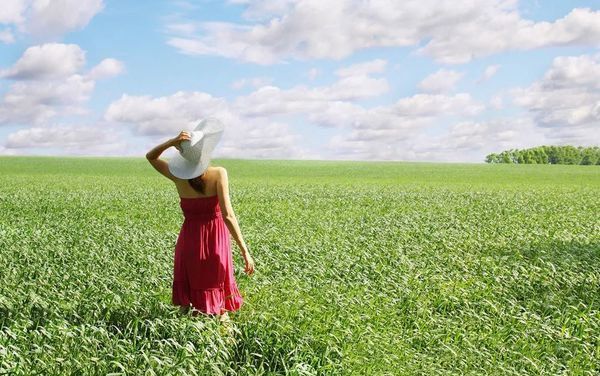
[(200, 208)]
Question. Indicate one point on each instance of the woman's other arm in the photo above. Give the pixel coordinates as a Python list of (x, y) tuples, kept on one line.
[(230, 219)]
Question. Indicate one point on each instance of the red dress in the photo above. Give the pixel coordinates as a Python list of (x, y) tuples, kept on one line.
[(203, 268)]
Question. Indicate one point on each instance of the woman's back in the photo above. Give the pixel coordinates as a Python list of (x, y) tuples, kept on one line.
[(209, 178)]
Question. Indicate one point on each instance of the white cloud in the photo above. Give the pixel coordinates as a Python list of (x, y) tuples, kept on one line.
[(393, 131), (259, 121), (489, 72), (495, 30), (567, 97), (492, 135), (570, 71), (376, 119), (12, 11), (96, 139), (442, 81), (429, 105), (353, 85), (52, 60), (564, 104), (48, 19), (37, 101), (457, 31), (244, 137), (472, 141), (52, 18), (48, 82), (62, 136), (465, 141), (164, 115), (249, 138), (8, 151), (107, 68), (271, 100)]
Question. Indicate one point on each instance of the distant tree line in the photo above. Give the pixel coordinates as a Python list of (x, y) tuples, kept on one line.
[(548, 155)]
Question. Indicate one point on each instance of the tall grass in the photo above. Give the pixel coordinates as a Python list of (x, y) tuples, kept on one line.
[(361, 269)]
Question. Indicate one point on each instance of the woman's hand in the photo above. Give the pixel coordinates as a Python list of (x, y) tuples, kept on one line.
[(176, 141), (249, 264)]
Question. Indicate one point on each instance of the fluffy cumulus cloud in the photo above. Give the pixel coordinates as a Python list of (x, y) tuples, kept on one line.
[(562, 107), (258, 121), (45, 19), (12, 11), (455, 32), (48, 81), (441, 81), (472, 140), (354, 83), (272, 100), (107, 68), (566, 100), (250, 138), (52, 60), (394, 132), (405, 115), (466, 140), (38, 101), (68, 139), (166, 116)]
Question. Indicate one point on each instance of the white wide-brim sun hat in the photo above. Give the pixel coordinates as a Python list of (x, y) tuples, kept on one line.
[(195, 154)]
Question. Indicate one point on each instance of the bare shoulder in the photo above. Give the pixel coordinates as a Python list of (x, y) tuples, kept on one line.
[(219, 171)]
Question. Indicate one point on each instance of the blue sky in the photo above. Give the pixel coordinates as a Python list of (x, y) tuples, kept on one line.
[(424, 80)]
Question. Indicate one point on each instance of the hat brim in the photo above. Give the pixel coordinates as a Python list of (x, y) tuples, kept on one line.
[(185, 169), (210, 125)]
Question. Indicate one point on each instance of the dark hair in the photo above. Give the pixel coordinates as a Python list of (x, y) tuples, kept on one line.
[(197, 183)]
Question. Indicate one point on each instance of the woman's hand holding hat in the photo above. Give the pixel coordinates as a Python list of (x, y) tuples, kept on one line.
[(183, 136)]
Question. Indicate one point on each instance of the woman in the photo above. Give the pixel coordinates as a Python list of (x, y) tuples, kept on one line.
[(203, 267)]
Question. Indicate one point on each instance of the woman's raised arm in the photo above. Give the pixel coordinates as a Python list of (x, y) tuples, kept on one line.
[(153, 155)]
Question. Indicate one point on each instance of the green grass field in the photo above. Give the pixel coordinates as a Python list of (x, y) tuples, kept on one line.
[(361, 269)]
